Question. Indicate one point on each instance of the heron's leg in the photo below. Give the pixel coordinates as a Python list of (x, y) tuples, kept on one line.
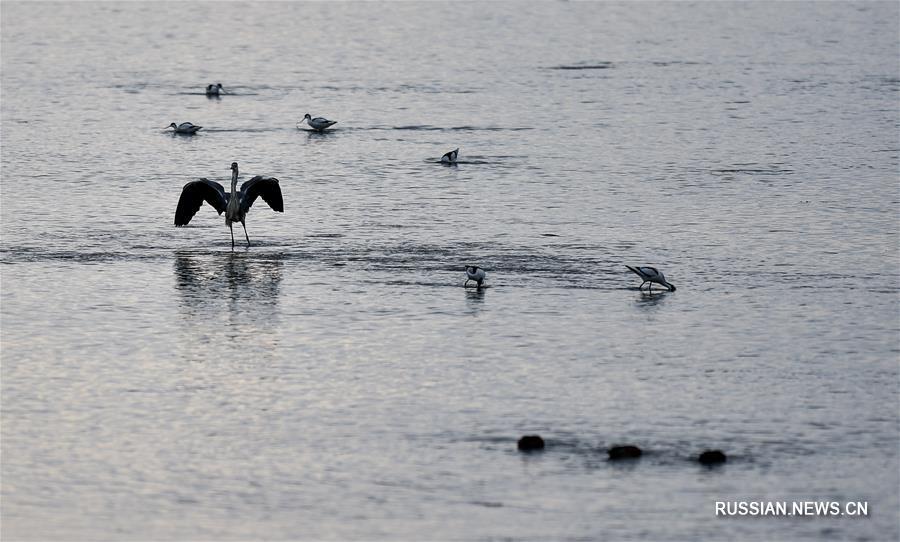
[(232, 235), (245, 232)]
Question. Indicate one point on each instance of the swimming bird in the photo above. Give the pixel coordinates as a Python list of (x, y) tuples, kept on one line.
[(450, 157), (651, 275), (319, 123), (185, 128), (473, 272), (214, 90), (234, 204)]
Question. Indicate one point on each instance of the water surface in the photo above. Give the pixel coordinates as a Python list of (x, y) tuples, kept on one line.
[(336, 381)]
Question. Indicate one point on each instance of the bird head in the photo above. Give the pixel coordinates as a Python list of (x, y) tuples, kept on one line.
[(671, 287), (234, 166), (306, 117), (173, 125)]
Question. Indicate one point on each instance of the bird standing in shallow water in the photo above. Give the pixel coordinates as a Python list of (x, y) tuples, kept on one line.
[(234, 204), (450, 157), (473, 272), (651, 275), (319, 123), (214, 90), (185, 128)]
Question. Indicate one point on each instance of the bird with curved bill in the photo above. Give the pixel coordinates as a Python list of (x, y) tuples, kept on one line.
[(476, 274), (651, 275), (234, 204), (318, 123)]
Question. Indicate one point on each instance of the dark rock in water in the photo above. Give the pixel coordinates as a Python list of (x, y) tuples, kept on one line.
[(712, 457), (624, 452), (531, 442)]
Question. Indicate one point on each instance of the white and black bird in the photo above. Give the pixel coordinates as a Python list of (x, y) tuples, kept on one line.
[(319, 123), (473, 272), (651, 275), (450, 157), (185, 128), (234, 204), (214, 90)]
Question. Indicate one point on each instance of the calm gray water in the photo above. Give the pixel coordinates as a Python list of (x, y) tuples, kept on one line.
[(336, 381)]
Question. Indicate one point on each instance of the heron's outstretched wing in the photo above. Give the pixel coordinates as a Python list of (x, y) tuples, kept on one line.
[(194, 194), (265, 187)]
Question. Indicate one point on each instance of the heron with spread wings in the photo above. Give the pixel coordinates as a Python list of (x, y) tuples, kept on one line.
[(234, 204)]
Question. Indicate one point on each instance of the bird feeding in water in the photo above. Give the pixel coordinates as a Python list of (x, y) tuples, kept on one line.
[(450, 157), (185, 128), (651, 275), (234, 204), (319, 123), (214, 90), (473, 272)]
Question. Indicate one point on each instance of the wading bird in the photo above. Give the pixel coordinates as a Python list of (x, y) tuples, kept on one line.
[(319, 123), (185, 128), (234, 204), (450, 157), (473, 272), (651, 275), (214, 90)]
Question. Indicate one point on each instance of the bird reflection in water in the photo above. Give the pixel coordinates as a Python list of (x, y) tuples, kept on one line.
[(648, 300), (243, 284), (475, 299)]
